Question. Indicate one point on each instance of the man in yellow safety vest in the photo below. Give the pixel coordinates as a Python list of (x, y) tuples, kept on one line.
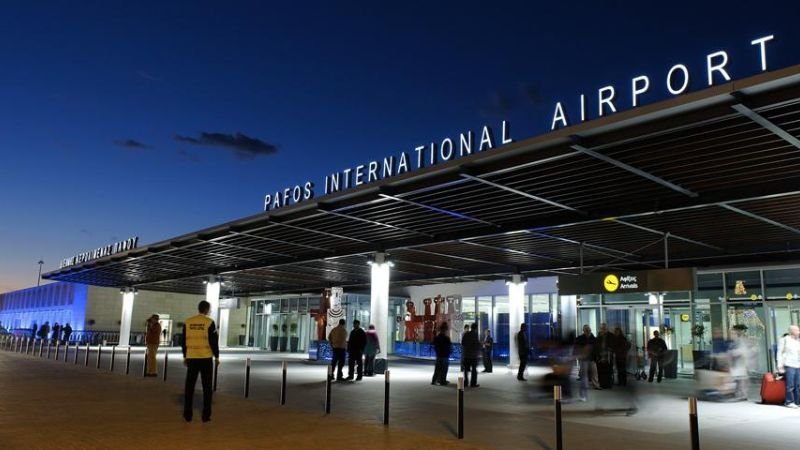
[(200, 354)]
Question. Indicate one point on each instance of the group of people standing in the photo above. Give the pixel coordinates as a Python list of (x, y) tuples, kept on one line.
[(360, 346), (599, 356), (57, 334), (472, 349)]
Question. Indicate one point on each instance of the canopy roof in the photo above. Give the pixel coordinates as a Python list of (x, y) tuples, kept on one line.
[(705, 178)]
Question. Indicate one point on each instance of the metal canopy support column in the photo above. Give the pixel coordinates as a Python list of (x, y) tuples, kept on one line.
[(127, 314), (666, 250)]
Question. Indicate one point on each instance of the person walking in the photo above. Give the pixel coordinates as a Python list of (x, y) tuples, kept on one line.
[(621, 348), (34, 328), (442, 345), (488, 343), (584, 352), (604, 357), (522, 351), (338, 340), (44, 330), (200, 349), (152, 337), (789, 364), (55, 336), (67, 333), (372, 348), (471, 348), (656, 349), (355, 349)]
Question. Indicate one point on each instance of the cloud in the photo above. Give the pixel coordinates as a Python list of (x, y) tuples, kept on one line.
[(131, 144), (191, 157), (243, 147), (147, 76)]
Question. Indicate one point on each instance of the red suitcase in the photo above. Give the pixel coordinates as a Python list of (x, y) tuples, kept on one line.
[(773, 391)]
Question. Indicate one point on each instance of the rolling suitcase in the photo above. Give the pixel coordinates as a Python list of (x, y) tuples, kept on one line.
[(380, 366), (773, 391)]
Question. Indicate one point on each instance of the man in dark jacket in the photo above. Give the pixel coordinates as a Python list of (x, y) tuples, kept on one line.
[(656, 349), (442, 345), (584, 351), (355, 348), (471, 346), (522, 351), (67, 333), (488, 343)]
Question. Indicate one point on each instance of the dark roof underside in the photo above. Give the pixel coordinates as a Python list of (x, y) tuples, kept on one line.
[(714, 173)]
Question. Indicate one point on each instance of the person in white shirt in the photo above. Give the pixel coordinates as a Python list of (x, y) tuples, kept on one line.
[(789, 364)]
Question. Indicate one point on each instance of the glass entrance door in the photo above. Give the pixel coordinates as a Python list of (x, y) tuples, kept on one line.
[(782, 315)]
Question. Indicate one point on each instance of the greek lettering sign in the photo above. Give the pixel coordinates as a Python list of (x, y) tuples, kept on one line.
[(108, 250), (663, 280)]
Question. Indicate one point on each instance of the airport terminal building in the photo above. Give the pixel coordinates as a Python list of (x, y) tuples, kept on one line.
[(677, 215)]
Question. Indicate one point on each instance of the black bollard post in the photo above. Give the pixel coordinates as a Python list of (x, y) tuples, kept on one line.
[(66, 351), (128, 362), (86, 357), (386, 397), (41, 348), (144, 365), (77, 346), (49, 344), (283, 384), (57, 345), (99, 351), (18, 347), (166, 364), (328, 380), (247, 379), (557, 404), (113, 357), (693, 426), (216, 374), (460, 407), (27, 345)]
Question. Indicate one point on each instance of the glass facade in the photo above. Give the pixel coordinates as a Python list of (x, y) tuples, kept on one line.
[(750, 308)]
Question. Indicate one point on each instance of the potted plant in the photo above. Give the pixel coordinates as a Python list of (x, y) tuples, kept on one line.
[(284, 341), (294, 340), (242, 336), (273, 339)]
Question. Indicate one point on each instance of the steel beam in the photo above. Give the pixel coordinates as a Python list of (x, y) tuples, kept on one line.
[(522, 193)]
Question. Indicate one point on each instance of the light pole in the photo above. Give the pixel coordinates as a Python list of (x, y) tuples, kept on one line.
[(39, 280)]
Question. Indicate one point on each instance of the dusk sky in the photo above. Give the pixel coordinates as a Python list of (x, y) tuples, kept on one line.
[(123, 119)]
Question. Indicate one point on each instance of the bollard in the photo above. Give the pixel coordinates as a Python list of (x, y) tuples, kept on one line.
[(247, 379), (460, 408), (216, 374), (18, 347), (328, 380), (166, 364), (113, 357), (386, 397), (49, 344), (283, 384), (128, 362), (27, 345), (57, 345), (41, 348), (86, 357), (99, 351), (144, 365), (66, 351), (77, 345), (693, 426), (557, 404)]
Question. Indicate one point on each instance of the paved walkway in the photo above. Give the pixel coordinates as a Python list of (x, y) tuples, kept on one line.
[(52, 405), (79, 407)]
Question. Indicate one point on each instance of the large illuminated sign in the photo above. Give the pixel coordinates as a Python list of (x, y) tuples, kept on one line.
[(676, 81), (101, 252)]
